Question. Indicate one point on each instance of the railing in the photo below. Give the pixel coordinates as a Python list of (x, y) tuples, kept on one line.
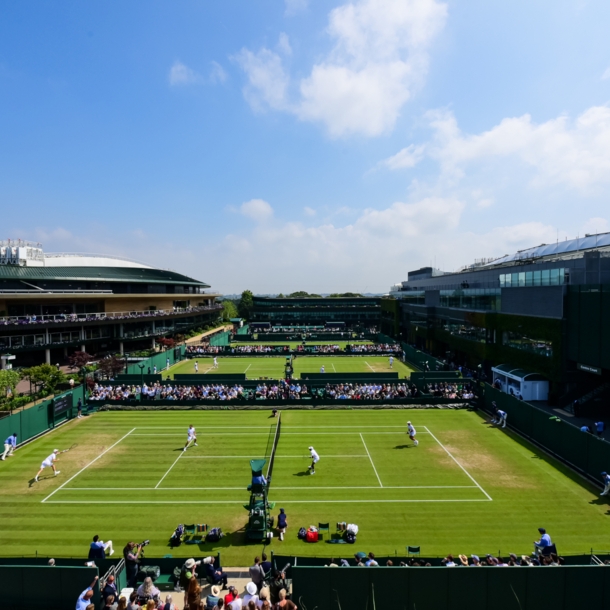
[(80, 318), (47, 291)]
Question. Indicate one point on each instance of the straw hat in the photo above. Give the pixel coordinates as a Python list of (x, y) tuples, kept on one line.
[(215, 591)]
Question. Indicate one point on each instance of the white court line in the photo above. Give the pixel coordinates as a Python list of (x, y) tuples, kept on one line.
[(367, 364), (284, 427), (247, 368), (308, 433), (370, 458), (462, 467), (97, 502), (249, 457), (334, 369), (275, 487), (161, 481), (87, 466)]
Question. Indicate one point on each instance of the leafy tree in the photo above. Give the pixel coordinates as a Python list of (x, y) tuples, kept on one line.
[(301, 294), (281, 296), (245, 304), (111, 366), (345, 295), (8, 382), (229, 310), (79, 359), (47, 376), (166, 342)]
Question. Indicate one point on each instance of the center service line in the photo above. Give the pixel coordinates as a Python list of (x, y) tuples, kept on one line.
[(370, 458)]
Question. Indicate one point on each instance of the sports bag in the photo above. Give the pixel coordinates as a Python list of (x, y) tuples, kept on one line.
[(153, 571), (350, 537), (311, 535), (302, 533), (214, 535)]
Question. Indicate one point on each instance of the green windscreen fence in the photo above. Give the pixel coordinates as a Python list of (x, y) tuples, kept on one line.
[(223, 338), (414, 356), (31, 587), (583, 451), (160, 361), (564, 588)]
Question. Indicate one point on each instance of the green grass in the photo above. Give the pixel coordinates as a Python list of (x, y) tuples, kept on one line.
[(143, 485), (273, 366), (295, 344)]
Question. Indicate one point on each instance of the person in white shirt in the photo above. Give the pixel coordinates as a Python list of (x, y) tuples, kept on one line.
[(191, 437), (412, 432), (322, 369), (196, 366), (49, 463), (499, 418), (391, 361), (215, 362), (315, 458)]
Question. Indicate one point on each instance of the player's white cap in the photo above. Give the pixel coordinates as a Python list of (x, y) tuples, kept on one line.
[(311, 449), (55, 450), (408, 422)]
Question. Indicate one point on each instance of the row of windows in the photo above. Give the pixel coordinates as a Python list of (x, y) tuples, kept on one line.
[(546, 277), (482, 299)]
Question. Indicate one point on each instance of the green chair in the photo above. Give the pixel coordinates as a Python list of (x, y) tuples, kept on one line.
[(323, 527), (413, 550), (190, 529)]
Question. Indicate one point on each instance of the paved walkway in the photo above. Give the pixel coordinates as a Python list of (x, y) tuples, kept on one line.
[(197, 338)]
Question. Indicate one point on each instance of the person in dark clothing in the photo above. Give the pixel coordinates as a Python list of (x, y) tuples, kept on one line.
[(110, 588), (131, 553), (265, 564), (217, 576), (282, 523)]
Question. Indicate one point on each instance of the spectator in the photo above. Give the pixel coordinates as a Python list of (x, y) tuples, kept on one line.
[(585, 429), (476, 562), (122, 605), (284, 602), (599, 427), (263, 596), (219, 604), (133, 601), (448, 561), (131, 562), (371, 560), (193, 594), (282, 523), (169, 603), (251, 594), (99, 545), (606, 480), (544, 542), (217, 576), (86, 595), (265, 564), (257, 574), (110, 588), (463, 560), (147, 590), (277, 584), (230, 597), (51, 563), (110, 604)]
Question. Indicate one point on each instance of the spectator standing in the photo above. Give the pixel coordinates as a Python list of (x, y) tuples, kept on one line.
[(131, 553), (282, 523), (79, 409), (599, 428), (110, 588), (284, 603), (85, 597), (9, 445), (193, 594), (122, 605), (277, 584), (257, 574), (265, 564)]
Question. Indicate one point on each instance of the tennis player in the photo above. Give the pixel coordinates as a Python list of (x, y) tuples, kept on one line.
[(499, 417), (196, 366), (49, 463), (391, 361), (215, 362), (315, 458), (191, 437), (412, 432), (9, 446)]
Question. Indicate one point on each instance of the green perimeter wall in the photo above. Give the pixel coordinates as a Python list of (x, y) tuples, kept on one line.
[(582, 451), (39, 418), (564, 588), (29, 587), (159, 360)]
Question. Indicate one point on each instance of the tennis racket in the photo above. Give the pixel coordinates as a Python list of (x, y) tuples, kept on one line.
[(69, 448)]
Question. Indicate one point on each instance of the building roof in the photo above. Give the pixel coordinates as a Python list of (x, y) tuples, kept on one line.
[(100, 274)]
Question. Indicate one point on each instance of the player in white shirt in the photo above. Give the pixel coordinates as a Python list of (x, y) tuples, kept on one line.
[(322, 370), (49, 463), (412, 432), (315, 458), (391, 361), (499, 417), (191, 437), (196, 366), (215, 362)]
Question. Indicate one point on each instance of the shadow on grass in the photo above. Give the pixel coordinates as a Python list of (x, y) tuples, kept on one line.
[(301, 474), (404, 446)]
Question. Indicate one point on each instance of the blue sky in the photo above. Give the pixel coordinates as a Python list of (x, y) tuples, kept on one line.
[(292, 144)]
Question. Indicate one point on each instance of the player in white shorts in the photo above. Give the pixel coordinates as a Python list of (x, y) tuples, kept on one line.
[(315, 458), (215, 362), (191, 437), (49, 463), (412, 432), (391, 361), (322, 369), (196, 366)]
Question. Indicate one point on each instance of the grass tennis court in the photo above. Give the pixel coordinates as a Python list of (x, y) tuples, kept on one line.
[(273, 366), (467, 487)]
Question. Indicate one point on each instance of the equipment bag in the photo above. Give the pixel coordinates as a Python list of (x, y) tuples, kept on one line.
[(302, 533), (153, 571), (311, 536), (350, 537), (214, 535)]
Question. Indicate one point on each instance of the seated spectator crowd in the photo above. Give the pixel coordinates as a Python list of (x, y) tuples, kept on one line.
[(450, 390)]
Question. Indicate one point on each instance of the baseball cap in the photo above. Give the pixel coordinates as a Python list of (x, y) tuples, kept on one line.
[(476, 557), (604, 474), (55, 450)]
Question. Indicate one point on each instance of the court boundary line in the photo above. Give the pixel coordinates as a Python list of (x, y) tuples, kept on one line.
[(87, 466), (489, 498), (242, 501), (169, 469), (275, 487), (249, 457), (308, 433), (370, 458)]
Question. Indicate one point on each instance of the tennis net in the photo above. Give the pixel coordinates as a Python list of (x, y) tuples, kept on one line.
[(276, 439)]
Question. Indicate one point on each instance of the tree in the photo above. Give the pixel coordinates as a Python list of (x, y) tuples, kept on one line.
[(344, 295), (111, 366), (301, 294), (47, 376), (245, 304), (8, 382), (166, 342), (229, 311), (79, 359)]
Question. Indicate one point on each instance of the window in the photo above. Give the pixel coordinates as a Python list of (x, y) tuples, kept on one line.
[(542, 347), (466, 331), (546, 277)]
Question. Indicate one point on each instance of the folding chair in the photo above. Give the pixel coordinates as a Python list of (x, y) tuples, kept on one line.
[(190, 529), (413, 550), (323, 527)]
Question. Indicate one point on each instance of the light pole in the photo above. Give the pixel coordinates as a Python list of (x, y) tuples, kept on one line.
[(142, 366)]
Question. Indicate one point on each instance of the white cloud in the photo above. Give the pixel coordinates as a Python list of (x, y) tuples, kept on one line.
[(283, 44), (267, 80), (379, 57), (606, 74), (180, 74), (573, 153), (293, 7), (257, 209), (407, 157), (309, 211), (485, 203), (217, 73)]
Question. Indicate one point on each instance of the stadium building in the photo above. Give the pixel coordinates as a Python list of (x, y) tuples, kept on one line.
[(350, 312), (52, 304), (542, 313)]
